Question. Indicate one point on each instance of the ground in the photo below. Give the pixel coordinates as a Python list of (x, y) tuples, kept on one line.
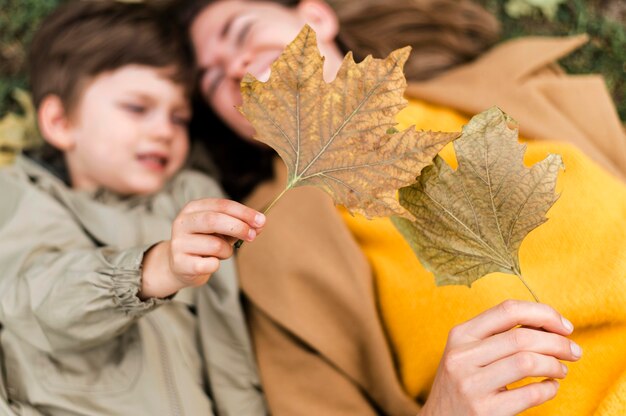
[(603, 20)]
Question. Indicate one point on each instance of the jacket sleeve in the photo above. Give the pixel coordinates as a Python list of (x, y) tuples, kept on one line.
[(59, 292)]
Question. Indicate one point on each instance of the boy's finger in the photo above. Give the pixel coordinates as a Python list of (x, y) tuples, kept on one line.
[(512, 313), (232, 240), (515, 340), (196, 270), (225, 206), (208, 222), (203, 245)]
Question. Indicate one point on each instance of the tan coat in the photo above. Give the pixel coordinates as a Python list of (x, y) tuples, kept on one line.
[(320, 345), (523, 79), (76, 339)]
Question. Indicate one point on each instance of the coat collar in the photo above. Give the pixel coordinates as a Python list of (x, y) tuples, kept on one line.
[(522, 77)]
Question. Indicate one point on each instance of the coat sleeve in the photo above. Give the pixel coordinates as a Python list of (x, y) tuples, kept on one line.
[(311, 307), (58, 292)]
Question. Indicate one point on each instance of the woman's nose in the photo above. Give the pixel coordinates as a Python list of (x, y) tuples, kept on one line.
[(237, 67)]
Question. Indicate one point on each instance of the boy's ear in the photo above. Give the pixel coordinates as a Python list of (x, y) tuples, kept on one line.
[(54, 123), (321, 17)]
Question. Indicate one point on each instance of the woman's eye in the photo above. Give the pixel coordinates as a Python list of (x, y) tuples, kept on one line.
[(243, 33), (134, 108)]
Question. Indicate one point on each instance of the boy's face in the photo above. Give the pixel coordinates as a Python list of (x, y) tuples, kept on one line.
[(128, 132)]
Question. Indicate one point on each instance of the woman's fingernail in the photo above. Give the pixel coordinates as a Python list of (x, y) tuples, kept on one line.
[(567, 324), (251, 234), (564, 368), (259, 220), (576, 350)]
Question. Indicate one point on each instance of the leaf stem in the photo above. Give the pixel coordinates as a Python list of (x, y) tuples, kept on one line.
[(271, 204), (519, 274), (239, 243)]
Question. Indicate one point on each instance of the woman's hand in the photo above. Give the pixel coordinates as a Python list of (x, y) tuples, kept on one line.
[(505, 344), (202, 234)]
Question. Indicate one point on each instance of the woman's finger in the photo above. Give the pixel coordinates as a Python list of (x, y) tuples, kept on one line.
[(515, 401), (517, 367), (516, 340), (512, 313)]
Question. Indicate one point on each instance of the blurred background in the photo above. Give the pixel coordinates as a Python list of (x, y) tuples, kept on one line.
[(603, 20)]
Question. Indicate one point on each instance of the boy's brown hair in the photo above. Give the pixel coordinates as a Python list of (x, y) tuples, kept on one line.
[(83, 39)]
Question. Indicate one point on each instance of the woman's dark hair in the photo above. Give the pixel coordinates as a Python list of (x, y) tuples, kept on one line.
[(442, 33), (236, 163)]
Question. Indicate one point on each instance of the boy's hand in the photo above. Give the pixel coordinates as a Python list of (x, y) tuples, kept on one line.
[(202, 235), (491, 351)]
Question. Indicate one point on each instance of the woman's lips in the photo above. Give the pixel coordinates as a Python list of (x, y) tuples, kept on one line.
[(264, 76)]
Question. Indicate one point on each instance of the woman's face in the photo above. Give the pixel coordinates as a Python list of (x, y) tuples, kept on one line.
[(235, 37)]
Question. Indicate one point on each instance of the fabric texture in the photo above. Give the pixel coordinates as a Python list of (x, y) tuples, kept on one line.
[(75, 337)]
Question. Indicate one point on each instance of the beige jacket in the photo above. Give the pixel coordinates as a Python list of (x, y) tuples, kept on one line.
[(320, 346), (76, 340)]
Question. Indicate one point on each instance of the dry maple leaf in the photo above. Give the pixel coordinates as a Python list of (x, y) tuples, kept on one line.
[(339, 136), (18, 132), (471, 222)]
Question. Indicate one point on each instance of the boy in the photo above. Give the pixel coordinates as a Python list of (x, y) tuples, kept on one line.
[(97, 264)]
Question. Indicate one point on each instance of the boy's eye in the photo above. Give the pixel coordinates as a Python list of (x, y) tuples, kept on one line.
[(180, 120)]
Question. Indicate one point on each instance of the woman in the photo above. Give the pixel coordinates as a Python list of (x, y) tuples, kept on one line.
[(320, 345)]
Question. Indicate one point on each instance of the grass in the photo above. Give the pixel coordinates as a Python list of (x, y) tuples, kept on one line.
[(18, 20), (603, 20)]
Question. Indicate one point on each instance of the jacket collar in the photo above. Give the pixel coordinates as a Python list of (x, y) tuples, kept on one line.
[(108, 218)]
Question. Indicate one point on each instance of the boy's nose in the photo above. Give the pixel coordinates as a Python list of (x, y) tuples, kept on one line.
[(163, 128)]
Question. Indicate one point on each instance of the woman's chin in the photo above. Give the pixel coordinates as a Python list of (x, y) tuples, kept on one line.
[(248, 134), (256, 143)]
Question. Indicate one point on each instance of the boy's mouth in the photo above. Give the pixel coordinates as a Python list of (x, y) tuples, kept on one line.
[(153, 161)]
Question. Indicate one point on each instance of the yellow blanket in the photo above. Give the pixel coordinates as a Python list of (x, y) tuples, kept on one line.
[(575, 262)]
